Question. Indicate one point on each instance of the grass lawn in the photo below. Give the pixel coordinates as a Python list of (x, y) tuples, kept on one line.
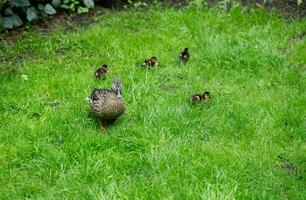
[(248, 142)]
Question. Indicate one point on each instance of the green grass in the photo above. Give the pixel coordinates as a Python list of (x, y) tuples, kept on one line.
[(248, 142)]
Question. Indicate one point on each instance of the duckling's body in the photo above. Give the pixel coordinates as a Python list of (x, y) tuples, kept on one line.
[(145, 63), (107, 104), (184, 56), (152, 62), (101, 72), (197, 98)]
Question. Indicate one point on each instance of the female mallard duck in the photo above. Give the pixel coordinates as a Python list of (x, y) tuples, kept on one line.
[(150, 62), (107, 104), (184, 56), (200, 97), (100, 73)]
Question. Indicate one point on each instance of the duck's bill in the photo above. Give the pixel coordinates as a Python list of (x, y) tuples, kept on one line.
[(119, 94)]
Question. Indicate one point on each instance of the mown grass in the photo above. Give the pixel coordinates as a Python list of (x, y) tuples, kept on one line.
[(247, 142)]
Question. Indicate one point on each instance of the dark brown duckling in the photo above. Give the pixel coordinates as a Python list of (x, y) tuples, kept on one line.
[(184, 56), (101, 72), (197, 98), (153, 62)]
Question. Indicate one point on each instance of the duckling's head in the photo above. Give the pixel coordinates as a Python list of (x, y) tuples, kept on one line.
[(206, 96), (105, 66), (186, 50), (117, 86), (154, 59)]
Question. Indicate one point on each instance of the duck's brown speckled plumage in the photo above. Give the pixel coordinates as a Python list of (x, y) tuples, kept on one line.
[(105, 104)]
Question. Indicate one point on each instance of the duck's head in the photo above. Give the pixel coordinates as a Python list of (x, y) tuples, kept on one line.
[(206, 96), (186, 50), (117, 86)]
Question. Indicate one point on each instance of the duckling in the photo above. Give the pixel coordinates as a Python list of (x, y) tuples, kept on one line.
[(196, 98), (184, 56), (100, 73), (107, 104), (150, 62)]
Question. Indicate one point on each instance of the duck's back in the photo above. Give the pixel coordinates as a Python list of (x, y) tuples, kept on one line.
[(106, 104)]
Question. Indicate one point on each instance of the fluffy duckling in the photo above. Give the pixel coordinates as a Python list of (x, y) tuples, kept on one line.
[(184, 56), (153, 62), (196, 98), (101, 72), (107, 104)]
